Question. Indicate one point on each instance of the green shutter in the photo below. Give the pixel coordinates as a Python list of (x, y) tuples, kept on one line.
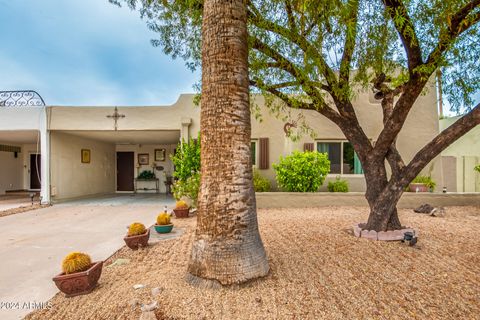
[(357, 166), (253, 150), (322, 147)]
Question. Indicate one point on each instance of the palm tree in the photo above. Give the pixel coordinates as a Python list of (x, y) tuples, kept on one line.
[(227, 245)]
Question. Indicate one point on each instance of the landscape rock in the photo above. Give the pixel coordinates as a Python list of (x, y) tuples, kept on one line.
[(138, 286), (424, 208), (120, 262), (149, 307), (357, 230), (438, 212)]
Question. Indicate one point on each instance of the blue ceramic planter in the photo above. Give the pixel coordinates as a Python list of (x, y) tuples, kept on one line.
[(163, 228)]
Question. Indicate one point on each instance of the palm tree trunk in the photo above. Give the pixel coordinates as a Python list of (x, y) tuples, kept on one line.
[(227, 247)]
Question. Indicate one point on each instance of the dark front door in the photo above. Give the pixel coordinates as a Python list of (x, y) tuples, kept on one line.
[(125, 171), (35, 171)]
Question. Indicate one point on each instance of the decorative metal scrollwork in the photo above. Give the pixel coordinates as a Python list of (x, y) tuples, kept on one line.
[(21, 98)]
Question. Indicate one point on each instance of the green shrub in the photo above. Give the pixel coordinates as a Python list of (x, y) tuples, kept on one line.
[(302, 171), (186, 159), (426, 180), (188, 188), (260, 183), (338, 185), (477, 168)]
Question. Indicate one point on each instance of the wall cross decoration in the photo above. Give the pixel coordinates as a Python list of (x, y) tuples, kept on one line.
[(115, 116)]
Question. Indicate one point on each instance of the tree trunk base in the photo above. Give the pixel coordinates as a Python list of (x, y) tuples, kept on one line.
[(227, 263), (383, 221)]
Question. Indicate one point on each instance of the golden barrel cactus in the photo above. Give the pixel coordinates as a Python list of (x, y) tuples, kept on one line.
[(181, 205), (136, 229), (76, 262), (163, 219)]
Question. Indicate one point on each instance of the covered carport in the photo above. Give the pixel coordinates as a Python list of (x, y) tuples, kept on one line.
[(91, 163)]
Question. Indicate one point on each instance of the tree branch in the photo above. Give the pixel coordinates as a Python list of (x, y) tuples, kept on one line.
[(440, 143), (461, 21), (290, 16), (288, 67), (457, 24), (323, 108), (349, 44), (406, 30), (296, 38)]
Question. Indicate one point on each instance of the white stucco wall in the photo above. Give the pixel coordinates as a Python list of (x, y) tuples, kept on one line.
[(70, 177), (11, 171)]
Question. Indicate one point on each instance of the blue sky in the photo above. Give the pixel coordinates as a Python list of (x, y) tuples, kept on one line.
[(86, 52)]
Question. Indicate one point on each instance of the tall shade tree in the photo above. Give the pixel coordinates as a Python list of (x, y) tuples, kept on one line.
[(319, 54), (227, 247)]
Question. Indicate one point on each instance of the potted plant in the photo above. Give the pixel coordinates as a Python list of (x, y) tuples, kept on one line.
[(163, 224), (146, 175), (137, 236), (422, 184), (79, 276), (181, 209)]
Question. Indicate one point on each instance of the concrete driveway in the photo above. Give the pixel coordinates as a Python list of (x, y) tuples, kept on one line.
[(33, 244)]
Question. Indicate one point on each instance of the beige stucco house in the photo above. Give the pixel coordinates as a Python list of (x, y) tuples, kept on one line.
[(72, 152)]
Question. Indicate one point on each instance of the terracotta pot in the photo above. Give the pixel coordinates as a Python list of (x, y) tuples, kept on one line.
[(163, 228), (133, 242), (84, 282), (420, 186), (181, 213)]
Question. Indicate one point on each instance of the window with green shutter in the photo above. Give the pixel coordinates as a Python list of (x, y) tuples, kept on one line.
[(343, 159)]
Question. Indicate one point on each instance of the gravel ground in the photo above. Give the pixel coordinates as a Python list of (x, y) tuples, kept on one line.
[(22, 209), (318, 271)]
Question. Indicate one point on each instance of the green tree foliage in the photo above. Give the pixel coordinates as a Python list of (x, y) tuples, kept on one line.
[(303, 46), (260, 183), (320, 54), (187, 170), (477, 168), (302, 171), (339, 185), (186, 159), (188, 188)]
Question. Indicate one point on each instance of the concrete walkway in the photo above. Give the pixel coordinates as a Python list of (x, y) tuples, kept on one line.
[(33, 244)]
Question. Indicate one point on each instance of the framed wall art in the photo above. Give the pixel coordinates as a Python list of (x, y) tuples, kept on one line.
[(85, 156), (143, 159), (159, 154)]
